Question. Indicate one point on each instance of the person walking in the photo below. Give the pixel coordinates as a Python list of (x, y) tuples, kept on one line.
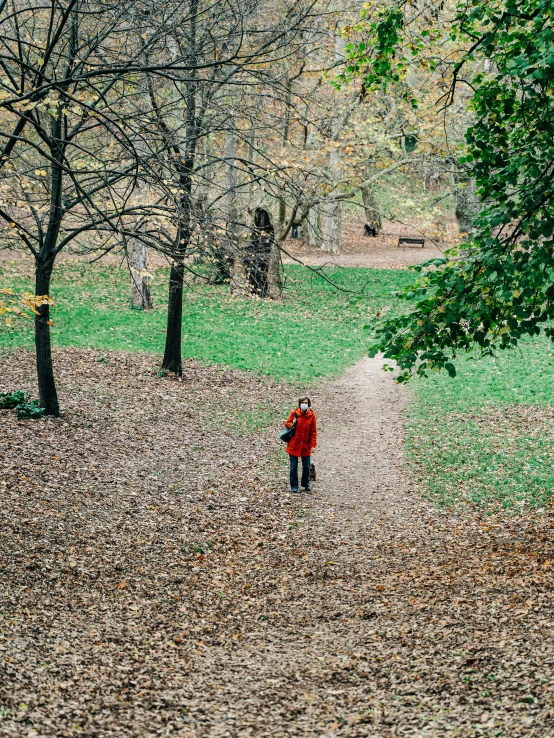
[(302, 443)]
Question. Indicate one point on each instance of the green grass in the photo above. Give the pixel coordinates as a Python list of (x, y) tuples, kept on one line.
[(486, 438), (316, 331)]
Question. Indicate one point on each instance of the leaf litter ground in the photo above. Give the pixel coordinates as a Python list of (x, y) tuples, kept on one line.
[(158, 580)]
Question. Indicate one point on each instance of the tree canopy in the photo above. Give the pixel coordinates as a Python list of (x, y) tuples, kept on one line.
[(499, 286)]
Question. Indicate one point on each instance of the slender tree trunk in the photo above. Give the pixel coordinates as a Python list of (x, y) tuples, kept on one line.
[(313, 226), (48, 397), (303, 233), (239, 277), (238, 280), (274, 281), (172, 361), (313, 216), (184, 163), (332, 229), (372, 214), (332, 232), (44, 264), (252, 159), (141, 298)]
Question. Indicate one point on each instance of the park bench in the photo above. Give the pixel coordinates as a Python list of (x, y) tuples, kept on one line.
[(405, 241)]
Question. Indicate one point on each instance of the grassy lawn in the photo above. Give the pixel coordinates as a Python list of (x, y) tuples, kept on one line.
[(316, 331), (484, 439)]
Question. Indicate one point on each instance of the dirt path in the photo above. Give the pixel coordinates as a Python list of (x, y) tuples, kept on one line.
[(361, 451), (308, 671), (376, 257), (381, 252)]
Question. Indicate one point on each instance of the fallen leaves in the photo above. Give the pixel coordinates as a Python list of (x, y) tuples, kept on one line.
[(155, 585)]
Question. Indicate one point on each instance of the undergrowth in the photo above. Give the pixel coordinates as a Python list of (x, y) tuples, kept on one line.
[(25, 408)]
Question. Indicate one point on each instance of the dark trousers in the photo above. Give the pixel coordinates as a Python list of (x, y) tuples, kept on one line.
[(305, 482)]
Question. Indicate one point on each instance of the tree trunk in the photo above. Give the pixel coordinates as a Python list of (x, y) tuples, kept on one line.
[(184, 162), (467, 203), (303, 233), (44, 264), (238, 282), (172, 361), (140, 279), (313, 226), (48, 397), (372, 214), (332, 232), (252, 159), (274, 282), (239, 278), (313, 215)]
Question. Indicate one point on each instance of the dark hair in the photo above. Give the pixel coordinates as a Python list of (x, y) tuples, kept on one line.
[(304, 398)]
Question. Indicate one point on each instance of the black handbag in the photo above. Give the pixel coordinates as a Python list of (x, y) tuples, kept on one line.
[(287, 433)]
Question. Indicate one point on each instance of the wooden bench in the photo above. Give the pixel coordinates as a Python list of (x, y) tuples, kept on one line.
[(405, 241)]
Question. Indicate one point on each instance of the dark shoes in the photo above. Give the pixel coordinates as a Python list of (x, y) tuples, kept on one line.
[(307, 489), (294, 489)]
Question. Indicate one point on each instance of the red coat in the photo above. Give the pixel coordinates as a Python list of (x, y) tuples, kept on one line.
[(305, 438)]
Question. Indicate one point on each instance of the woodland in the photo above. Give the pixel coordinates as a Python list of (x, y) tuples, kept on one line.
[(201, 212)]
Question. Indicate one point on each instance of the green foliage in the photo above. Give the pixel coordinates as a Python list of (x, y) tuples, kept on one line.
[(24, 408), (501, 287), (315, 331), (386, 57), (10, 400), (29, 410)]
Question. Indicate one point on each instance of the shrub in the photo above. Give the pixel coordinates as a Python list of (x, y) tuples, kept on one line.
[(24, 408), (11, 400)]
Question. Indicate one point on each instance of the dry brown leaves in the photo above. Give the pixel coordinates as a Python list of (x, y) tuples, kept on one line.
[(156, 581)]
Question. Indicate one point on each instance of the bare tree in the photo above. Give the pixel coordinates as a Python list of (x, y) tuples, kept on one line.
[(70, 165), (219, 104)]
